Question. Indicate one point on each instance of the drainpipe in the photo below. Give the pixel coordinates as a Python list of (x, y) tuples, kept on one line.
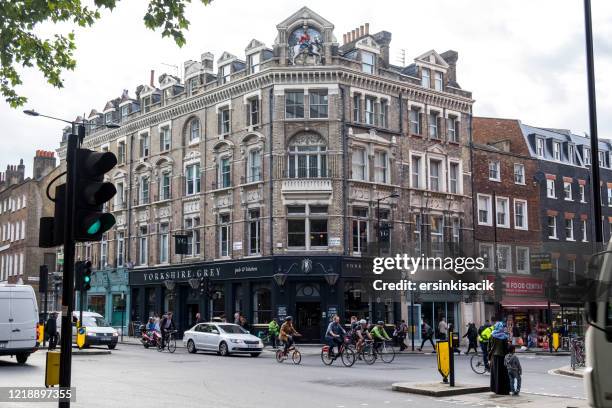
[(128, 237), (346, 237), (271, 166)]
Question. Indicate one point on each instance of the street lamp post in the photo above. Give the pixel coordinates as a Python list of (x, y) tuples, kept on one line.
[(74, 141)]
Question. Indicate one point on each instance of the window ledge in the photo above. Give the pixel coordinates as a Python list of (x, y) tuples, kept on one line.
[(555, 238), (219, 190), (251, 183), (570, 239), (496, 180)]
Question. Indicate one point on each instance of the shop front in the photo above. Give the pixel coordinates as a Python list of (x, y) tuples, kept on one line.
[(109, 296), (311, 289)]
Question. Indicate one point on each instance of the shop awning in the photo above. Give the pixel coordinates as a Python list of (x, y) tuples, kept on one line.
[(526, 304)]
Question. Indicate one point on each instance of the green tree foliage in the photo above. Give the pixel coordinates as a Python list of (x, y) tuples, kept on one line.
[(20, 46)]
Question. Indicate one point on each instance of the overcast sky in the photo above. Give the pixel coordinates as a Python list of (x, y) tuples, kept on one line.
[(521, 59)]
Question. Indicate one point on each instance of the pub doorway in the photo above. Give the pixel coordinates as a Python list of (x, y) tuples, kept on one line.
[(308, 321)]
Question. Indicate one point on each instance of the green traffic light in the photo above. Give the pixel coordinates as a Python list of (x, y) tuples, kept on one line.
[(87, 279), (94, 228)]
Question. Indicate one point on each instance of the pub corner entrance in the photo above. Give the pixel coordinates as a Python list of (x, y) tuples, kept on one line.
[(308, 321)]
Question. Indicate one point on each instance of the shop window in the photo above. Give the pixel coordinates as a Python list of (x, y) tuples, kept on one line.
[(262, 305)]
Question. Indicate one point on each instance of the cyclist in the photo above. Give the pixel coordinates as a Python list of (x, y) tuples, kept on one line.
[(287, 331), (335, 335), (483, 338), (379, 335), (361, 332)]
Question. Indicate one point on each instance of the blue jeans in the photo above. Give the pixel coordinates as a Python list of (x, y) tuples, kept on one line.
[(514, 376)]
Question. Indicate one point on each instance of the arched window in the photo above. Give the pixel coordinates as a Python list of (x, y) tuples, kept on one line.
[(307, 156), (194, 130)]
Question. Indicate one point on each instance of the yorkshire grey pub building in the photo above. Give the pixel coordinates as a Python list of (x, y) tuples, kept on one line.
[(274, 165)]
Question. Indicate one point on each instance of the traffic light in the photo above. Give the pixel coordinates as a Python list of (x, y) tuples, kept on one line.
[(82, 276), (43, 279), (91, 193), (52, 228)]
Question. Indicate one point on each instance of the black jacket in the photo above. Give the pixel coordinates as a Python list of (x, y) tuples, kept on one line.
[(51, 326), (163, 322)]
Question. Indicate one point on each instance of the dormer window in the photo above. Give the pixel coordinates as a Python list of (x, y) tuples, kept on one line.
[(225, 73), (438, 81), (125, 111), (254, 60), (587, 156), (556, 150), (192, 84), (540, 147), (108, 117), (570, 154), (602, 159), (146, 104), (425, 81), (367, 62)]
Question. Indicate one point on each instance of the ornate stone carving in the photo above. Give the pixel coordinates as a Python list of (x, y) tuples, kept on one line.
[(307, 139), (142, 216), (190, 207)]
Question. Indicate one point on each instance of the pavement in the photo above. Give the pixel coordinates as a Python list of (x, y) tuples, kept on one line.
[(135, 377)]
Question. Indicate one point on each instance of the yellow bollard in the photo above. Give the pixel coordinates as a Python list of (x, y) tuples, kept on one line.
[(443, 354), (52, 368), (555, 341)]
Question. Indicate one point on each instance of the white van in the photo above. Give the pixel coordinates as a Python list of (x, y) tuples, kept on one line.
[(18, 320)]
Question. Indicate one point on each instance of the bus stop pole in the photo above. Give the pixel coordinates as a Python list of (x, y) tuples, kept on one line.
[(451, 357)]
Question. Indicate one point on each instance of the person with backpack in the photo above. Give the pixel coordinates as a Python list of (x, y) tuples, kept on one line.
[(427, 334), (513, 365)]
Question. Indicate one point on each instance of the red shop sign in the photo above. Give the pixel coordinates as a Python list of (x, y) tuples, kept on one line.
[(518, 285)]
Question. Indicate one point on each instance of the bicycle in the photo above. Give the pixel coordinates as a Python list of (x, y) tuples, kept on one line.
[(577, 353), (387, 352), (367, 353), (346, 354), (169, 342), (477, 363), (296, 356)]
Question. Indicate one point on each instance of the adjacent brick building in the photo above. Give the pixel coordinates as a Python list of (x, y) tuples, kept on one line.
[(22, 203)]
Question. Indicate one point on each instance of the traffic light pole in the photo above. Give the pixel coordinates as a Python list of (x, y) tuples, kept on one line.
[(74, 141)]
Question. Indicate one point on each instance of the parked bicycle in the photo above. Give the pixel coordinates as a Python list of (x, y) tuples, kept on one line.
[(478, 364), (169, 342), (577, 354), (346, 354)]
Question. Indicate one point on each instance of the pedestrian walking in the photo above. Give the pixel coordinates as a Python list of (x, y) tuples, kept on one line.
[(442, 329), (500, 382), (472, 336), (51, 330), (244, 323), (427, 334), (399, 334), (237, 317), (513, 365), (273, 331), (516, 334)]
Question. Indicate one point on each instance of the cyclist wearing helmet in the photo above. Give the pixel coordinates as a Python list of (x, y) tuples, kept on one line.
[(379, 334), (287, 331), (362, 333), (335, 334)]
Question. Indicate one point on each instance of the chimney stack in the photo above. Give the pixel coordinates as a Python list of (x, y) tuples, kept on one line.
[(152, 79), (44, 162), (361, 31), (344, 38), (367, 28)]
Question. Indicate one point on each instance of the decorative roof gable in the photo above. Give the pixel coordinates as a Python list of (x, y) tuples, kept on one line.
[(432, 58), (305, 14), (226, 58), (254, 44)]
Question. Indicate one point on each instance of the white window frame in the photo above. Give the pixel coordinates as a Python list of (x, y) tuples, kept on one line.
[(441, 174), (381, 170), (144, 145), (120, 249), (570, 236), (556, 148), (143, 247), (526, 269), (165, 138), (457, 180), (359, 170), (548, 226), (192, 178), (254, 62), (505, 200), (494, 166), (224, 228), (226, 73), (508, 264), (582, 193), (523, 204), (254, 173), (519, 173), (587, 156), (438, 81), (540, 147), (566, 190), (583, 227), (488, 209), (419, 173), (551, 191), (192, 122), (164, 243), (425, 78), (141, 189), (368, 66), (571, 153)]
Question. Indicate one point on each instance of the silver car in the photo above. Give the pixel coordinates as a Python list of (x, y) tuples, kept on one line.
[(224, 338)]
